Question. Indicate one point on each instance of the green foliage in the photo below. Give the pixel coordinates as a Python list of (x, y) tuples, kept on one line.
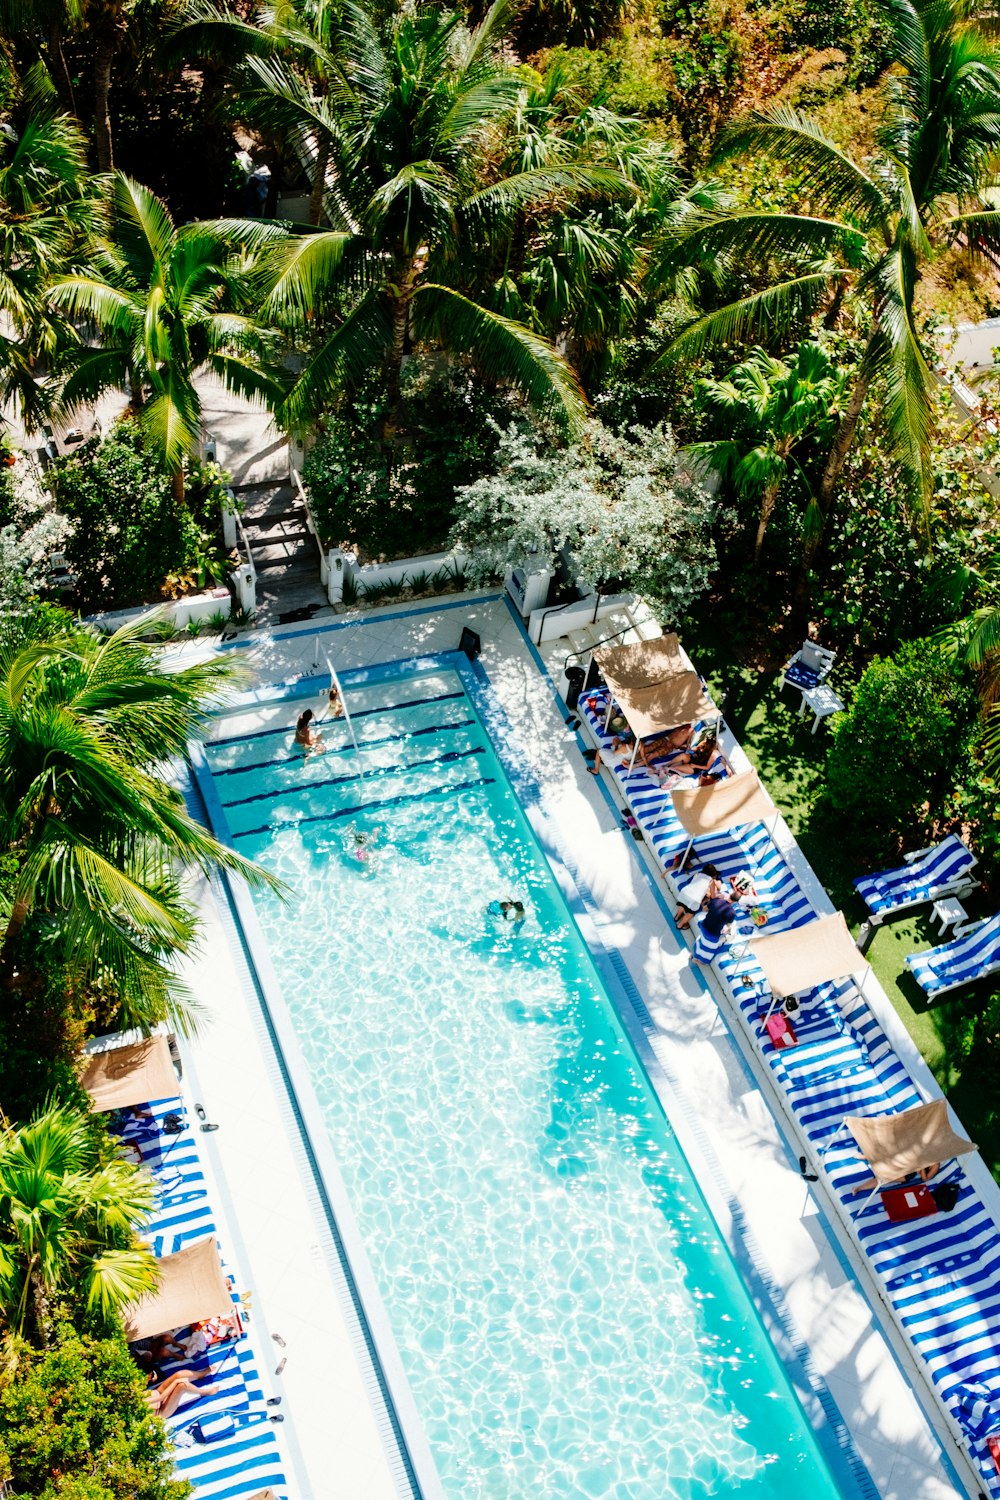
[(99, 835), (130, 536), (68, 1222), (74, 1425), (895, 752), (41, 1031), (975, 806), (397, 498)]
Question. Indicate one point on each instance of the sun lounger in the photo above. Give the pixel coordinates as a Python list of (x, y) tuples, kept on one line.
[(967, 958), (928, 875)]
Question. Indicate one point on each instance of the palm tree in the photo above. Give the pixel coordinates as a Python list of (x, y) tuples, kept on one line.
[(94, 831), (167, 304), (48, 214), (416, 109), (779, 406), (300, 32), (872, 226), (68, 1223)]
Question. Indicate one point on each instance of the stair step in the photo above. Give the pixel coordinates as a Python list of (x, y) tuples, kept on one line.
[(273, 518), (291, 566), (277, 538)]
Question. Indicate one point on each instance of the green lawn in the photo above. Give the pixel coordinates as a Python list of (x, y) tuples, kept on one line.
[(791, 761)]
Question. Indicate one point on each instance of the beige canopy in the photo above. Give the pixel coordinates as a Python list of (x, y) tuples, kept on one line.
[(803, 957), (191, 1288), (896, 1145), (642, 663), (680, 699), (135, 1074), (730, 803)]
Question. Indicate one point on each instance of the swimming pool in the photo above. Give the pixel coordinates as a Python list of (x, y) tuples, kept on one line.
[(568, 1316)]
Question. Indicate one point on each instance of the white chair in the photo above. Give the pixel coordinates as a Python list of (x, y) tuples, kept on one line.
[(808, 667)]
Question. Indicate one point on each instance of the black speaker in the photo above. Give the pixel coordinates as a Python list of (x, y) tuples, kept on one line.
[(470, 643)]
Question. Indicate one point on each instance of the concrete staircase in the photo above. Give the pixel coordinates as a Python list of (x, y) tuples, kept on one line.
[(284, 554)]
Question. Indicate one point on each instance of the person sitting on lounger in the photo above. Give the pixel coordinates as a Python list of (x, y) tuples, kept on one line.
[(622, 737), (306, 736), (696, 894), (925, 1174), (167, 1396)]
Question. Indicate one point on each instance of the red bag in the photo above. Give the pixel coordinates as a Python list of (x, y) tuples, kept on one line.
[(903, 1203), (993, 1444), (780, 1030)]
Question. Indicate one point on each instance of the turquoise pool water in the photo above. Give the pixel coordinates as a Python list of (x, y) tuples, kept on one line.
[(570, 1321)]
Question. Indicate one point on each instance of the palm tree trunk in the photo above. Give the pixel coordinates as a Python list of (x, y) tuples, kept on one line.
[(835, 462), (59, 70), (841, 447), (319, 179), (177, 488), (767, 503), (106, 49), (8, 949)]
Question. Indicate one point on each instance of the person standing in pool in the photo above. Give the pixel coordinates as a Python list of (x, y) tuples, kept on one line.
[(306, 736)]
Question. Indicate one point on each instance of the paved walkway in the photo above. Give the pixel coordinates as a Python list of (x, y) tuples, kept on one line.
[(289, 1255)]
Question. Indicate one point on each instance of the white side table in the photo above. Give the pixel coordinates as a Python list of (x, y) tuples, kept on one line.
[(949, 912), (821, 701)]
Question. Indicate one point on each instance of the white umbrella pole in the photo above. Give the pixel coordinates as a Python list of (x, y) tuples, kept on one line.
[(335, 682)]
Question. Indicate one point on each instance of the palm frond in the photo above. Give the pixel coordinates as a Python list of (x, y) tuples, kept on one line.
[(775, 310), (788, 139), (359, 344), (502, 349)]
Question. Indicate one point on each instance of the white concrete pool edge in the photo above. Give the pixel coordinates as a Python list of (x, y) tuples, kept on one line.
[(889, 1430)]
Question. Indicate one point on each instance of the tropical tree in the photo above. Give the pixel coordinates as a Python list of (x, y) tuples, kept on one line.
[(776, 407), (873, 227), (49, 211), (95, 833), (975, 641), (302, 35), (417, 108), (68, 1223), (168, 303)]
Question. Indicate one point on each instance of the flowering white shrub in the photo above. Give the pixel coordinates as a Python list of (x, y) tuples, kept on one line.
[(32, 529), (622, 503)]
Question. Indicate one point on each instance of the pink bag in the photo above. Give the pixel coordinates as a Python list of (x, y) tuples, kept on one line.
[(780, 1030)]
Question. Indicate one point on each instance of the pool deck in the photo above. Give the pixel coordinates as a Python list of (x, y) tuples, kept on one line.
[(340, 1444)]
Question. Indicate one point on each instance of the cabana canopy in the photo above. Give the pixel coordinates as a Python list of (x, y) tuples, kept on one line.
[(643, 663), (135, 1074), (191, 1288), (896, 1145), (679, 699), (730, 803), (806, 956)]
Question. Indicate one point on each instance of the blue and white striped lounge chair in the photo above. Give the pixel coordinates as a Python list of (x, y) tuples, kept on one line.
[(966, 959), (928, 875)]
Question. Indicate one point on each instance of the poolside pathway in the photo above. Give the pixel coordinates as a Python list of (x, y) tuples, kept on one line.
[(735, 1144)]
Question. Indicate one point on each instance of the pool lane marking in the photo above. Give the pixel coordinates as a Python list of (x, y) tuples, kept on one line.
[(375, 773), (361, 713), (346, 749), (346, 812)]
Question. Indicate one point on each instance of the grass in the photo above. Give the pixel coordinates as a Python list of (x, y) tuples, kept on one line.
[(956, 1035)]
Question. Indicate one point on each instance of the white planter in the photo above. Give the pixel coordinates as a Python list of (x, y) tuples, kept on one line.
[(180, 612)]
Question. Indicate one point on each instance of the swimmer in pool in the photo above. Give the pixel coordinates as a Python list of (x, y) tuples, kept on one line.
[(306, 736)]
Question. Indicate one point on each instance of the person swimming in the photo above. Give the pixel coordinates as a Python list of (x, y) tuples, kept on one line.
[(306, 735), (335, 702), (509, 911)]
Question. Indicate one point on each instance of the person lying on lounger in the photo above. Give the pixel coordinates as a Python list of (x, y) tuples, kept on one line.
[(700, 758), (622, 738), (167, 1396)]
